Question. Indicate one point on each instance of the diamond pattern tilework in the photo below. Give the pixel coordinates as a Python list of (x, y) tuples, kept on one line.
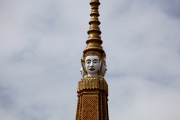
[(90, 107)]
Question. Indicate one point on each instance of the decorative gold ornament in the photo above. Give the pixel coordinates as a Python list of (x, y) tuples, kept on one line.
[(92, 83), (94, 40)]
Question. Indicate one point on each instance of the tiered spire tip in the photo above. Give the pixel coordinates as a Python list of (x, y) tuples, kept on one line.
[(94, 39)]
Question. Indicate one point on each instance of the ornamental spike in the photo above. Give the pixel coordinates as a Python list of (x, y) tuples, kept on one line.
[(94, 39)]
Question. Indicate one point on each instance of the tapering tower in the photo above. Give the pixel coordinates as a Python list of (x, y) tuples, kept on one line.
[(92, 88)]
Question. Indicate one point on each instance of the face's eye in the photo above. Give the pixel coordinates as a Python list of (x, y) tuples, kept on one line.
[(95, 61), (88, 61)]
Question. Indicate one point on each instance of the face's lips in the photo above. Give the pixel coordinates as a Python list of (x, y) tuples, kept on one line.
[(91, 69)]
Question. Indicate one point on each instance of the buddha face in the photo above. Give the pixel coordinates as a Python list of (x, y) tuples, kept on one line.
[(104, 68), (92, 65)]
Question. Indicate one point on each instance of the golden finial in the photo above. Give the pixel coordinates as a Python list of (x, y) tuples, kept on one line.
[(94, 40)]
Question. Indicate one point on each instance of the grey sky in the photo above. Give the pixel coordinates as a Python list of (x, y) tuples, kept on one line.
[(41, 44)]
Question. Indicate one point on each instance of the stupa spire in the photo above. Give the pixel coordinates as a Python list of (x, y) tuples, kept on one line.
[(93, 88), (94, 39)]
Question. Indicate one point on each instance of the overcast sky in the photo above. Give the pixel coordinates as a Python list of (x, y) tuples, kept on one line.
[(42, 41)]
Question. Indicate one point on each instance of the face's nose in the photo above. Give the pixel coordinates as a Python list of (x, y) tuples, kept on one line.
[(91, 64)]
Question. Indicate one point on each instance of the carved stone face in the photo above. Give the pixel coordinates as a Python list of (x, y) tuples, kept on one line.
[(92, 65), (104, 68)]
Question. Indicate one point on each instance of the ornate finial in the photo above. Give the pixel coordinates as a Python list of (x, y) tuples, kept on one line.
[(94, 40), (93, 61)]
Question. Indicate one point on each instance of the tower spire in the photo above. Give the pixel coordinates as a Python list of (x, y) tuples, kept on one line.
[(94, 40), (93, 88)]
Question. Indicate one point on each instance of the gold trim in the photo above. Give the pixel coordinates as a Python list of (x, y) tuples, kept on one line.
[(94, 39), (92, 83)]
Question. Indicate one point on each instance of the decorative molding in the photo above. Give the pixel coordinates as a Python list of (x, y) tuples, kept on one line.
[(89, 83)]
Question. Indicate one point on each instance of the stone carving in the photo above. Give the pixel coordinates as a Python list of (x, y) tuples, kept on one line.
[(93, 64), (104, 67)]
